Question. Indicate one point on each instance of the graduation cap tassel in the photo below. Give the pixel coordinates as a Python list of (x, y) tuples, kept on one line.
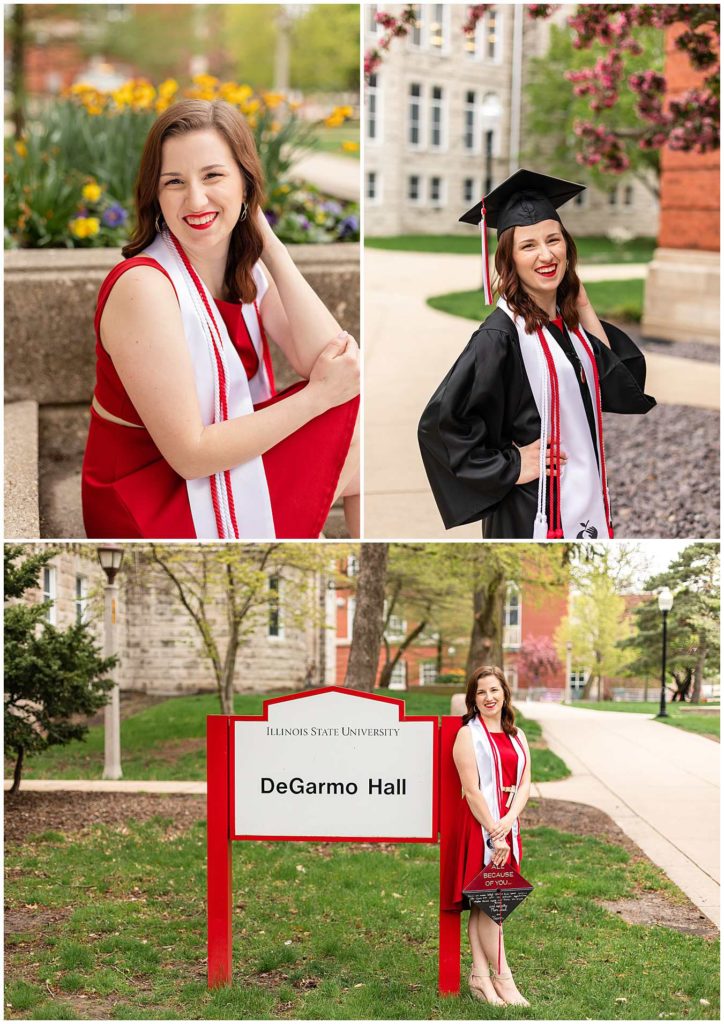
[(500, 927), (487, 290)]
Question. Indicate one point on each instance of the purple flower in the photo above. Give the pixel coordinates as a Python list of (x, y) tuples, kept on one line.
[(333, 207), (271, 218), (349, 226), (114, 216), (303, 222)]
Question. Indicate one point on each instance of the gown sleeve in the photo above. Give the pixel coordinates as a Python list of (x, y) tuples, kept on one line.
[(469, 467), (622, 373)]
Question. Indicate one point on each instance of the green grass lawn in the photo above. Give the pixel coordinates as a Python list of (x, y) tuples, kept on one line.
[(597, 249), (328, 932), (167, 741), (329, 140), (687, 720), (615, 300)]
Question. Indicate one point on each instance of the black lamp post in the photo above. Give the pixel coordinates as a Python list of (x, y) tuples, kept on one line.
[(666, 601)]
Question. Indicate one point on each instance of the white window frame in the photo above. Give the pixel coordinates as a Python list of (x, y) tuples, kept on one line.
[(581, 200), (400, 669), (396, 628), (495, 15), (628, 195), (373, 28), (352, 566), (512, 633), (420, 190), (376, 199), (351, 605), (444, 48), (276, 616), (441, 201), (471, 108), (427, 665), (416, 36), (374, 92), (50, 593), (440, 105), (511, 675), (81, 598), (465, 197), (612, 198), (409, 100)]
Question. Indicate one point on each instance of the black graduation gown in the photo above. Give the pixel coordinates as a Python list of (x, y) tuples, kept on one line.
[(484, 404)]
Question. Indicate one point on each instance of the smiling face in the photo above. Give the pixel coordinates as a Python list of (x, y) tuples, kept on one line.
[(539, 256), (489, 697), (200, 188)]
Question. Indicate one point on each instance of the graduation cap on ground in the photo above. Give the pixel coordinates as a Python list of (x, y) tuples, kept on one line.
[(523, 199), (497, 891)]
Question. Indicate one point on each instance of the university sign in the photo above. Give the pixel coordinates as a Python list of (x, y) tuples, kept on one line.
[(330, 765)]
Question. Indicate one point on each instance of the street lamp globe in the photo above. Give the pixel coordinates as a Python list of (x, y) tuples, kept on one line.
[(666, 600), (110, 556)]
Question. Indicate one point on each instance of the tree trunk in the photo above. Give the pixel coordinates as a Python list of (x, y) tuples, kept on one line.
[(227, 690), (438, 657), (18, 772), (389, 667), (486, 638), (368, 617), (698, 675)]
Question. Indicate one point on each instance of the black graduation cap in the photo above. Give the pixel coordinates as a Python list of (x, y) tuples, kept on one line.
[(497, 891), (523, 199)]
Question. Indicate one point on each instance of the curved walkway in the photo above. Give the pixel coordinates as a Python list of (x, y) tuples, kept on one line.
[(409, 348), (658, 783)]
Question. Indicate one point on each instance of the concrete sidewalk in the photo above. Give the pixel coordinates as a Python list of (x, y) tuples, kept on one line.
[(338, 176), (658, 783), (97, 786), (409, 348)]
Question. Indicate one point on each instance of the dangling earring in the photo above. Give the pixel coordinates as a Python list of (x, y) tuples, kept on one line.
[(244, 212), (158, 225)]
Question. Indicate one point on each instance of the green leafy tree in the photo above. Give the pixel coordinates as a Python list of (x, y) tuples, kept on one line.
[(228, 590), (553, 108), (693, 640), (52, 675), (325, 49), (598, 623)]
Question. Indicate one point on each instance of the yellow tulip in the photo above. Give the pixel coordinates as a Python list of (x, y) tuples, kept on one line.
[(93, 225), (350, 147), (92, 192), (168, 88), (273, 99), (21, 149)]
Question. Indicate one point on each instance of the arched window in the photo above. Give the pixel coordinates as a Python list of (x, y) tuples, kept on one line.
[(512, 617)]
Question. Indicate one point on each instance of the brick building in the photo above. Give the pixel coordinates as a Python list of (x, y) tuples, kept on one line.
[(682, 288), (445, 119)]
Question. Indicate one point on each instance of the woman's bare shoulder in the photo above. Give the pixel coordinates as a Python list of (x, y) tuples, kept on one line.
[(142, 295)]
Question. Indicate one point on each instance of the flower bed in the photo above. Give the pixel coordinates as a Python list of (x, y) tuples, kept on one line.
[(69, 182)]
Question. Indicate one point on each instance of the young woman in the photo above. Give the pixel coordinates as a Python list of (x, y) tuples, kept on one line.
[(493, 761), (514, 434), (188, 437)]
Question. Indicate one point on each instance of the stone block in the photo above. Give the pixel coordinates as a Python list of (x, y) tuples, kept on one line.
[(21, 470), (692, 276)]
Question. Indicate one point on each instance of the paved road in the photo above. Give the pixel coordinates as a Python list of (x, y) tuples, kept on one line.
[(409, 348), (658, 783)]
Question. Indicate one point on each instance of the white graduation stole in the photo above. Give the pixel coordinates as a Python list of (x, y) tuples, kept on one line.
[(582, 508), (242, 493), (490, 774)]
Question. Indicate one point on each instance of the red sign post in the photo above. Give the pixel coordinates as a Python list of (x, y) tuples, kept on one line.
[(225, 794)]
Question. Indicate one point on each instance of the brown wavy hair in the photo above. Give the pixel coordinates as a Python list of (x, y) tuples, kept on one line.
[(507, 715), (245, 244), (522, 304)]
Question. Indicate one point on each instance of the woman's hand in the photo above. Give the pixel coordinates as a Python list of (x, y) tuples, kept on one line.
[(335, 374), (582, 299), (530, 461), (501, 852), (269, 239), (502, 827)]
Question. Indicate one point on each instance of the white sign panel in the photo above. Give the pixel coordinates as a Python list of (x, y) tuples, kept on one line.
[(334, 764)]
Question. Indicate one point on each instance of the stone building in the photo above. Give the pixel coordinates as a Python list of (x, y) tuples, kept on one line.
[(160, 649), (445, 122)]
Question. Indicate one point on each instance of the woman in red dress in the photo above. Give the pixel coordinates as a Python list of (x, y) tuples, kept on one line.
[(188, 437), (493, 761)]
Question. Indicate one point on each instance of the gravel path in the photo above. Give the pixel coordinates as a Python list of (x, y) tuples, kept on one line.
[(684, 502)]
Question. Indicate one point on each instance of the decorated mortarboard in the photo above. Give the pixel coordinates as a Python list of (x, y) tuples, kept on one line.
[(523, 199), (497, 892)]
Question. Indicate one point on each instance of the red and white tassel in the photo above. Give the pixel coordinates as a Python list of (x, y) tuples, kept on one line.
[(487, 290), (599, 424)]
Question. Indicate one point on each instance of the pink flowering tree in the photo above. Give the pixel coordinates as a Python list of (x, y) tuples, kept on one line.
[(538, 662), (689, 123)]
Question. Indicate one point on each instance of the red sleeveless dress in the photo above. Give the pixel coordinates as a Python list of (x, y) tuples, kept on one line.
[(130, 491), (470, 859)]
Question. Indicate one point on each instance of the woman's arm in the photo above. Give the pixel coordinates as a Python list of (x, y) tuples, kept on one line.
[(294, 315), (503, 827), (142, 330), (588, 318)]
